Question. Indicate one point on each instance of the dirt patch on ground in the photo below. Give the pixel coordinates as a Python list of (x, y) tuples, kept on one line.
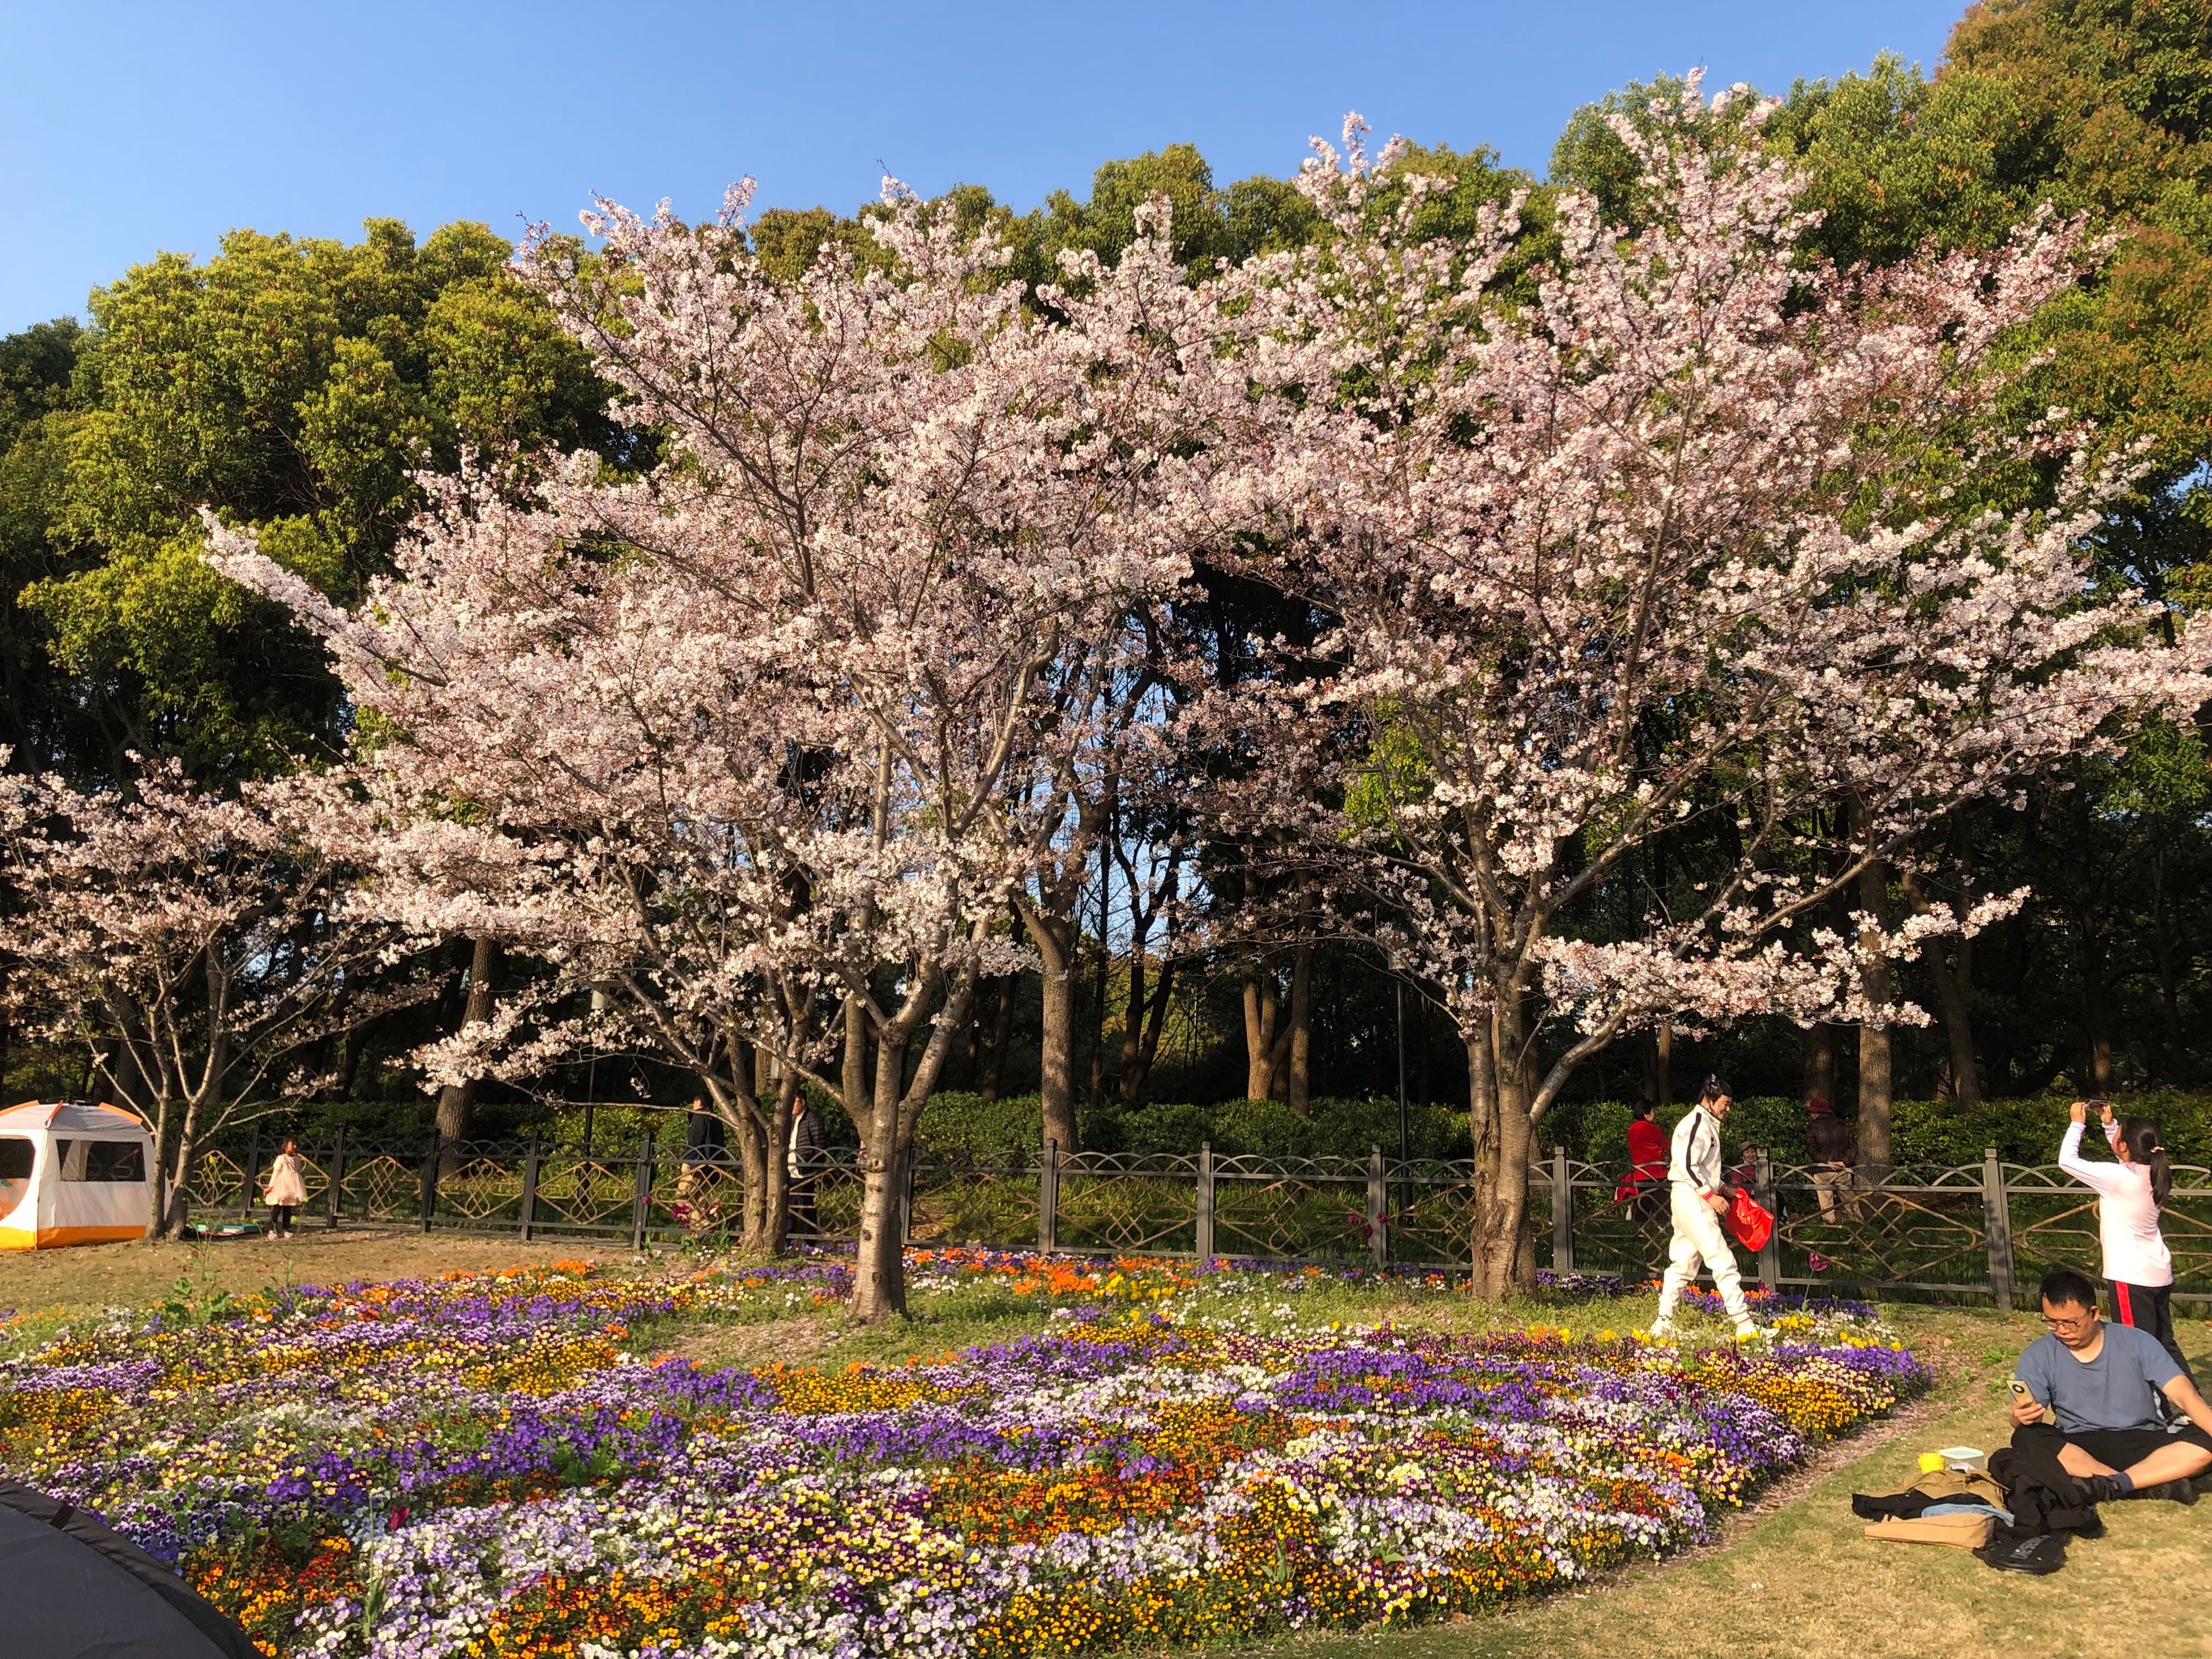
[(747, 1347)]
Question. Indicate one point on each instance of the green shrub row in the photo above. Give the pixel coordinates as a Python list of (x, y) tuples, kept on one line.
[(964, 1126)]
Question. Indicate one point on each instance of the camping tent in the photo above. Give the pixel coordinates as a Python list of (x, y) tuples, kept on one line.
[(72, 1174), (69, 1588)]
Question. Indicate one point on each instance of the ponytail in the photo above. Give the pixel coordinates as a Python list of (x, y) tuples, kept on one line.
[(2147, 1147)]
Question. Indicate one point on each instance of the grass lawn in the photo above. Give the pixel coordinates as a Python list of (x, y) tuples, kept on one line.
[(1790, 1575)]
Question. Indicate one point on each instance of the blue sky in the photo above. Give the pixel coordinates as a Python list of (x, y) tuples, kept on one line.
[(126, 128)]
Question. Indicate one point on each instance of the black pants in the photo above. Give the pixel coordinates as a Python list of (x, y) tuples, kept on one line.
[(2149, 1309), (279, 1219), (799, 1214), (2116, 1448)]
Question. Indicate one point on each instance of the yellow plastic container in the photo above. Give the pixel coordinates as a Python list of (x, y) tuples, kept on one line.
[(1930, 1462)]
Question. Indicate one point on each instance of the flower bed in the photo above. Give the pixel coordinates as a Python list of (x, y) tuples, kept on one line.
[(480, 1466)]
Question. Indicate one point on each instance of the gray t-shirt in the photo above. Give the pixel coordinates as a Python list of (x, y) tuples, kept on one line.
[(2117, 1389)]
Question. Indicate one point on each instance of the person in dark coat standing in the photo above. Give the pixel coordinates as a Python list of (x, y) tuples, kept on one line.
[(1830, 1154), (806, 1152), (703, 1146)]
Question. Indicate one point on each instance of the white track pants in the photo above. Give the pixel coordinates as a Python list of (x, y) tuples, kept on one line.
[(1699, 1240)]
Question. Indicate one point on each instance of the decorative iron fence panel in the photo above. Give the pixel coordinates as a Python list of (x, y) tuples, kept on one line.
[(1977, 1230)]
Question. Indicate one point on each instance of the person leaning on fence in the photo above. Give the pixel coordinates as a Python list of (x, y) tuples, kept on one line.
[(805, 1153), (1829, 1155), (2104, 1383), (702, 1146), (286, 1192), (1697, 1203), (1643, 1188), (2130, 1193)]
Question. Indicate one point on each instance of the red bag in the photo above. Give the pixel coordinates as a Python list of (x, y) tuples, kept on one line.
[(1747, 1221)]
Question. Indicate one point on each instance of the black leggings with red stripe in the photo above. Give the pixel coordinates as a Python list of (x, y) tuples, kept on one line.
[(2149, 1309)]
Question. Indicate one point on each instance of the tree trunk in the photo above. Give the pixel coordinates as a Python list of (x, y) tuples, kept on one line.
[(1260, 1009), (756, 1226), (1958, 1025), (1133, 1021), (778, 1163), (1875, 1099), (1876, 1095), (1105, 963), (455, 1099), (173, 1186), (1498, 1111), (854, 1084), (353, 1041), (879, 1267), (1300, 1082), (1055, 938), (2097, 1016), (1821, 1063), (1663, 1066), (2169, 977), (1137, 1069), (1949, 970), (1000, 1038)]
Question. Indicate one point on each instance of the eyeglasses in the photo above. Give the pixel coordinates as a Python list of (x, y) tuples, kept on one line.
[(2079, 1322)]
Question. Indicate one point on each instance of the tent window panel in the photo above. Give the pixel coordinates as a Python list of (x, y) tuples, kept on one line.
[(102, 1160), (16, 1157), (115, 1160)]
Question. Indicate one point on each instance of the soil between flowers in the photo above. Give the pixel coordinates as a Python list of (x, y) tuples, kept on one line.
[(484, 1465)]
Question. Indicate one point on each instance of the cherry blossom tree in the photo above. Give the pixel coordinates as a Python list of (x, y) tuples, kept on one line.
[(779, 729), (196, 946), (1709, 535)]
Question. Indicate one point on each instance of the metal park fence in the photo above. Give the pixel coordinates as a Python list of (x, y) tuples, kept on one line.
[(1988, 1230)]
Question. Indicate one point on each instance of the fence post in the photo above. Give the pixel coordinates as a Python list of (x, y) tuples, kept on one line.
[(430, 1180), (530, 1188), (1378, 1223), (641, 1200), (336, 1175), (1563, 1214), (1769, 1254), (245, 1179), (1205, 1239), (1996, 1227)]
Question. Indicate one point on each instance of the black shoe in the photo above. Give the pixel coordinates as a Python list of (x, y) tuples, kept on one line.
[(2098, 1488), (2183, 1492)]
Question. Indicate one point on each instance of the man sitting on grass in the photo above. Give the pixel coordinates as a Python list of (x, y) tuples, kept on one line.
[(2103, 1382)]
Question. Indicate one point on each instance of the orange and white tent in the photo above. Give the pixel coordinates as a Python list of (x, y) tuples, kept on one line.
[(72, 1174)]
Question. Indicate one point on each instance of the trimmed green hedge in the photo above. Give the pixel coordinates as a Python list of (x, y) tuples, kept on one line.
[(963, 1124), (1924, 1132)]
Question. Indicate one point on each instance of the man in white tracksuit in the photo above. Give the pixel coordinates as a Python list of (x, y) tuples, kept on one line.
[(1694, 1174)]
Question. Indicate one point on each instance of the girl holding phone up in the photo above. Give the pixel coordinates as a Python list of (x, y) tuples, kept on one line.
[(2130, 1192)]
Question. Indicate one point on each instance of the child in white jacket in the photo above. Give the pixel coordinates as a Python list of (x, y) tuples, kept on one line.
[(2130, 1193)]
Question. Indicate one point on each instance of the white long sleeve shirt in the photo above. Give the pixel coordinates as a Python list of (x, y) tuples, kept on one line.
[(2127, 1217), (1694, 1160)]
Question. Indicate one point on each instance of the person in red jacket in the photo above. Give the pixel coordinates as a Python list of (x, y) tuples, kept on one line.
[(1646, 1180)]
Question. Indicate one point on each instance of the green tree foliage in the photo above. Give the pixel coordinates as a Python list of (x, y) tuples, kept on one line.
[(2093, 107), (294, 383), (37, 370)]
